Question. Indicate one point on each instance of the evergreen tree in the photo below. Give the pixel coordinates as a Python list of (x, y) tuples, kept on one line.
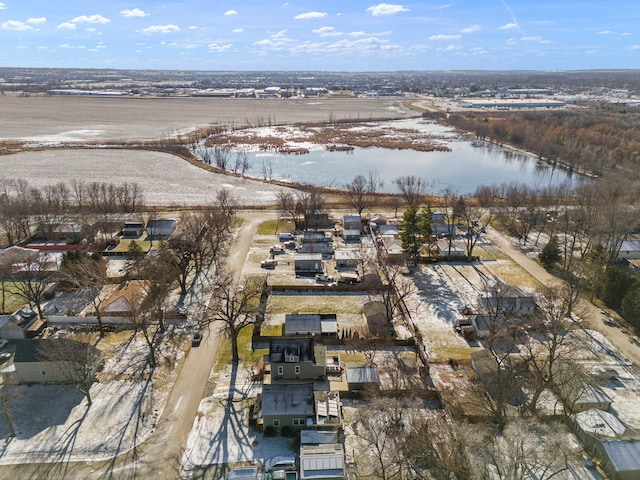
[(550, 254)]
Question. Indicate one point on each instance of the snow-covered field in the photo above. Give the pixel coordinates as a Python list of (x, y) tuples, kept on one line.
[(165, 179)]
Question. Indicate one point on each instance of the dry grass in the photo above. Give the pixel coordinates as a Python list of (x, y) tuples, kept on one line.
[(316, 304), (272, 227)]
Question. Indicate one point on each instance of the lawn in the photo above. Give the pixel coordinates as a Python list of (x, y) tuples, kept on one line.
[(316, 303), (271, 227), (10, 301), (244, 349)]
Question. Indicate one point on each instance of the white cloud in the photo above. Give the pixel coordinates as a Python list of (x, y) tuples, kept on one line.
[(509, 26), (327, 32), (471, 29), (67, 26), (16, 25), (386, 9), (91, 29), (310, 15), (90, 19), (238, 30), (280, 34), (134, 12), (2, 6), (192, 27), (161, 29), (230, 12), (531, 38), (216, 47), (626, 34), (635, 47), (449, 48), (37, 21), (445, 37), (604, 32)]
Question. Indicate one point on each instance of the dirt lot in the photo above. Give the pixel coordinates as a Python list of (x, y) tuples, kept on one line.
[(86, 119)]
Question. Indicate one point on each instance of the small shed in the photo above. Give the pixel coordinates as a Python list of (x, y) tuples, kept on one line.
[(308, 263), (351, 235), (132, 229), (9, 329), (360, 377), (629, 250), (311, 324)]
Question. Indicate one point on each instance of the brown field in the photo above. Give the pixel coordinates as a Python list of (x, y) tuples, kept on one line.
[(89, 119), (165, 179)]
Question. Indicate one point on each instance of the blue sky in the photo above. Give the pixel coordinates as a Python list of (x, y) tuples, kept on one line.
[(347, 35)]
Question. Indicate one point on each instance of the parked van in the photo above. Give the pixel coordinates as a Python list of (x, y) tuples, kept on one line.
[(285, 237)]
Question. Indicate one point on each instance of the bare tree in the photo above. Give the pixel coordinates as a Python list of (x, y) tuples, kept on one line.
[(34, 279), (77, 361), (475, 219), (361, 191), (412, 189), (551, 340), (80, 272), (234, 308)]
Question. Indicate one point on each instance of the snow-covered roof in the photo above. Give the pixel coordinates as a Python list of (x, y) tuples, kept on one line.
[(599, 422)]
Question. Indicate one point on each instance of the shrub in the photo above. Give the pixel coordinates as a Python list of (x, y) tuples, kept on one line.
[(269, 431)]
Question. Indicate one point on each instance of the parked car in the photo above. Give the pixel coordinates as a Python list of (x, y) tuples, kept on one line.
[(277, 249), (197, 339), (323, 277), (269, 264), (280, 463), (285, 236)]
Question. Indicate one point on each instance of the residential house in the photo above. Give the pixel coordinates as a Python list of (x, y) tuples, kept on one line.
[(125, 301), (629, 250), (347, 258), (322, 462), (284, 405), (296, 358), (506, 299), (308, 263), (32, 362), (132, 229), (311, 324), (21, 324), (352, 222), (621, 459), (594, 425), (576, 390), (318, 221), (160, 229), (316, 242)]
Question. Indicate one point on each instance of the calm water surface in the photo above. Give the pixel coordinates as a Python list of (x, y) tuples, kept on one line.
[(462, 169)]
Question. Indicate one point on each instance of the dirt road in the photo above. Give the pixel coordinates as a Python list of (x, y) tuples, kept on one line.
[(160, 455), (593, 316)]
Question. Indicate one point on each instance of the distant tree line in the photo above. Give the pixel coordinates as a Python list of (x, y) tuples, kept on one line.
[(601, 138), (22, 205)]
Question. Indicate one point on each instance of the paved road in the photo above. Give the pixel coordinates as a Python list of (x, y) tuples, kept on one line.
[(593, 317), (159, 456)]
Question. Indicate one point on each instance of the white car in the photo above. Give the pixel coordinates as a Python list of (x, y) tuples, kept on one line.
[(280, 463)]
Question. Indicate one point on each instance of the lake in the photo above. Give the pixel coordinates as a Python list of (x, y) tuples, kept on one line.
[(462, 169)]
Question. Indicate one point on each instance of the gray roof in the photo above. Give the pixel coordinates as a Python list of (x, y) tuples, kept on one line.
[(316, 437), (308, 256), (322, 461), (624, 454), (362, 375), (310, 322), (29, 351), (283, 399), (600, 423)]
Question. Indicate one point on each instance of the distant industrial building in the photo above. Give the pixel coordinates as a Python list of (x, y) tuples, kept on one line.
[(509, 103)]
